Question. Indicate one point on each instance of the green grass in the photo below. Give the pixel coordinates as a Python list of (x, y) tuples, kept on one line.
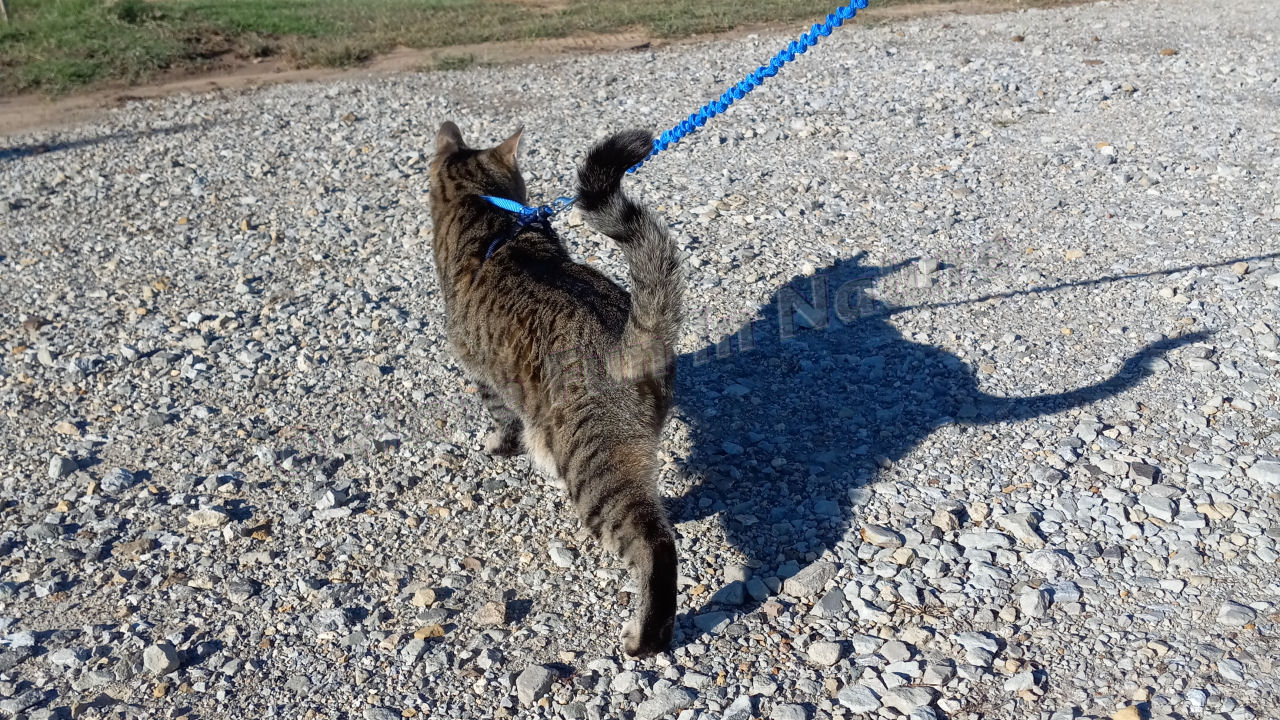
[(56, 46)]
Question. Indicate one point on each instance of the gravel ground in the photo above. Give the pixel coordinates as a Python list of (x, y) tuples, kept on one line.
[(1024, 465)]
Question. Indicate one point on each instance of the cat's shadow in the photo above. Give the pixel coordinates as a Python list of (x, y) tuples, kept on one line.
[(786, 420)]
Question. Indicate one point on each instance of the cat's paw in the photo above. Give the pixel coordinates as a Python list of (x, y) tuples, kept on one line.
[(642, 642), (503, 444)]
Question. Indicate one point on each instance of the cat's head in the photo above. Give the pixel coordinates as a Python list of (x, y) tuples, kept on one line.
[(458, 171)]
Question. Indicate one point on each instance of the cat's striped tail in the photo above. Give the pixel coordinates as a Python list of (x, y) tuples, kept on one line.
[(657, 281)]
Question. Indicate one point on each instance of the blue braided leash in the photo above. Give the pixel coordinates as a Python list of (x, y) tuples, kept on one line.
[(543, 213), (757, 77)]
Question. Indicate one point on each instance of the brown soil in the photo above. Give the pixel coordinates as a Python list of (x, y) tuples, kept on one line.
[(233, 71), (547, 5), (31, 112)]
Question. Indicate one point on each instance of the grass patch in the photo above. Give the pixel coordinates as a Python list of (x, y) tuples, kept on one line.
[(60, 45)]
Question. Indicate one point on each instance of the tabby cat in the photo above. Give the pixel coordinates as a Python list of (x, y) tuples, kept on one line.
[(573, 369)]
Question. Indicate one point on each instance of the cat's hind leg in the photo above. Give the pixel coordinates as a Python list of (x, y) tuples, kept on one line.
[(505, 440), (612, 487)]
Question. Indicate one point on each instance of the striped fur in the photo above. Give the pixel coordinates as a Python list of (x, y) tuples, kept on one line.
[(573, 369)]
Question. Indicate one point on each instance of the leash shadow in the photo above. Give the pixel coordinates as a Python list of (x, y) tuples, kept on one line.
[(122, 137), (790, 424)]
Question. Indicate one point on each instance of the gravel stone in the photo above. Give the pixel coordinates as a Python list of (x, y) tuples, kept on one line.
[(948, 517), (1158, 507), (70, 658), (1033, 603), (825, 654), (711, 622), (1265, 471), (423, 597), (732, 594), (1023, 527), (534, 682), (60, 467), (562, 557), (1028, 420), (895, 651), (161, 659), (859, 699), (809, 581), (9, 659), (907, 699), (981, 540), (831, 604), (789, 711), (881, 536), (626, 682), (208, 518), (664, 702), (1233, 614), (22, 701), (412, 652), (117, 480), (492, 613), (1231, 670), (740, 709)]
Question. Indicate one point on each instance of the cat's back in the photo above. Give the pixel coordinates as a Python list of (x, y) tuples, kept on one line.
[(541, 303)]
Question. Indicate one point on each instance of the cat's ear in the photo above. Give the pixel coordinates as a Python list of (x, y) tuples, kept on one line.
[(448, 139), (507, 150)]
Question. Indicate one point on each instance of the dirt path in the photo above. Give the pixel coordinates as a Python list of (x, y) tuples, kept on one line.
[(34, 112)]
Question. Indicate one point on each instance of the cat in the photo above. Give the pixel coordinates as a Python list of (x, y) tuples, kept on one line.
[(574, 370)]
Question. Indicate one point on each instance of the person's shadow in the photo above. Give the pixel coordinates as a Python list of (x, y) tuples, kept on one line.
[(810, 399)]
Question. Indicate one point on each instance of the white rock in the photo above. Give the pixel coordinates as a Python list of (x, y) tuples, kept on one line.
[(1206, 470), (908, 698), (881, 536), (161, 659), (947, 519), (859, 699), (810, 580), (1265, 471), (985, 540), (625, 682), (60, 467), (1019, 682), (1233, 614), (562, 556), (1033, 603), (971, 640), (1158, 507), (664, 702), (824, 654), (208, 518), (1115, 468), (1023, 527), (742, 709), (789, 711), (534, 682), (1231, 670), (1049, 562), (118, 480)]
